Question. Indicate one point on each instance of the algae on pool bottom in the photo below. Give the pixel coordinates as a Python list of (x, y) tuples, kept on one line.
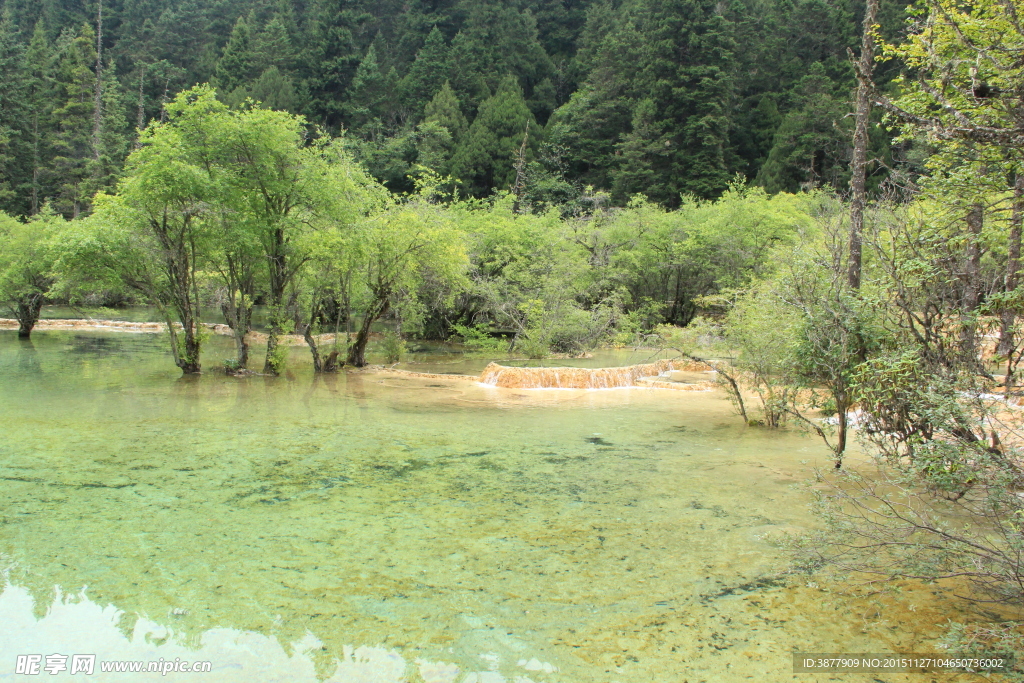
[(362, 527)]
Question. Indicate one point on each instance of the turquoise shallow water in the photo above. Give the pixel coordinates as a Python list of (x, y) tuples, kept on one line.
[(365, 527)]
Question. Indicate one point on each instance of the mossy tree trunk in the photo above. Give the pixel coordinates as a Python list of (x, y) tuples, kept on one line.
[(238, 305), (27, 311), (357, 352)]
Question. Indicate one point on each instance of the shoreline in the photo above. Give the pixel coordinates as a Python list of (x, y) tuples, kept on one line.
[(153, 328), (635, 380)]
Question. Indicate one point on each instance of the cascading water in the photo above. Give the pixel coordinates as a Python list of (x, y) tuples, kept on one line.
[(579, 378)]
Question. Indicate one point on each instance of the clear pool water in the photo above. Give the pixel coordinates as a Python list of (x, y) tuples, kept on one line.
[(361, 527)]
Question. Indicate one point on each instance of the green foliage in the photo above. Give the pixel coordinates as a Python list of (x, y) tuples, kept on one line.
[(289, 195), (153, 235), (485, 158), (670, 58), (642, 149), (764, 331), (272, 90), (479, 338), (643, 96), (28, 253), (427, 74), (434, 146), (1000, 640), (444, 110), (277, 360), (373, 92), (392, 346), (562, 326), (410, 256), (701, 249), (14, 109), (497, 40), (74, 109), (809, 148), (232, 366), (441, 130), (237, 65)]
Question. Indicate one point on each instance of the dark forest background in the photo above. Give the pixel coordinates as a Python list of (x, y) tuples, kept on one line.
[(661, 97)]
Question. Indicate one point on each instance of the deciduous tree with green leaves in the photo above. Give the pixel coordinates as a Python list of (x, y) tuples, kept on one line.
[(154, 236), (410, 250), (28, 252), (285, 191)]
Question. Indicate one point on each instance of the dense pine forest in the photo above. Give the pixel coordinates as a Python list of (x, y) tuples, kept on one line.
[(660, 97)]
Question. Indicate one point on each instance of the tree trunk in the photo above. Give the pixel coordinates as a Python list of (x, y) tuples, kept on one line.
[(278, 273), (859, 163), (140, 114), (1006, 340), (314, 349), (237, 309), (331, 364), (357, 352), (163, 100), (519, 186), (35, 162), (28, 314), (186, 348), (271, 366), (972, 267), (842, 411), (972, 284), (317, 316), (97, 117), (185, 294), (241, 347), (189, 362), (238, 318)]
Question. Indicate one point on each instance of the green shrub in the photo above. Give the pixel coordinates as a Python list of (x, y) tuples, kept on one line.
[(393, 347), (532, 347), (478, 338)]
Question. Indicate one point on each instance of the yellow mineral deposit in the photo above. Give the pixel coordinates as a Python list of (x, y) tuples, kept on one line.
[(587, 378), (254, 337), (89, 323)]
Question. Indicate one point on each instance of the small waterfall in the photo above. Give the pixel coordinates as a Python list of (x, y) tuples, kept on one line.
[(577, 378)]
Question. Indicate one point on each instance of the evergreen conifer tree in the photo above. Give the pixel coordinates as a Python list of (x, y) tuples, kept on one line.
[(445, 110), (39, 98), (331, 58), (373, 95), (676, 54), (74, 83), (272, 46), (685, 71), (484, 160), (809, 147), (275, 90), (427, 72), (115, 135), (440, 131), (14, 113), (238, 61), (496, 39), (642, 152)]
